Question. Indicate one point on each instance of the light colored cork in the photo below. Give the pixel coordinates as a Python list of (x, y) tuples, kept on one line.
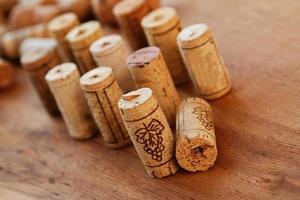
[(103, 10), (161, 27), (37, 63), (102, 92), (129, 14), (36, 43), (7, 74), (148, 68), (196, 148), (64, 84), (111, 51), (203, 61), (58, 28), (149, 131), (80, 38), (12, 40)]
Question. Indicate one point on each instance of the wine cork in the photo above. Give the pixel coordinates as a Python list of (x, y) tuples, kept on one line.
[(103, 10), (32, 43), (148, 68), (203, 61), (7, 74), (24, 15), (153, 4), (129, 14), (149, 131), (161, 27), (58, 28), (64, 84), (111, 51), (102, 92), (82, 8), (80, 38), (12, 40), (196, 148), (37, 63)]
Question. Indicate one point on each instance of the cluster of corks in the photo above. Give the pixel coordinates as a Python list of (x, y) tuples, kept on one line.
[(95, 84)]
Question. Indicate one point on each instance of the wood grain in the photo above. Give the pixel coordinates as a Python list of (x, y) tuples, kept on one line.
[(257, 124)]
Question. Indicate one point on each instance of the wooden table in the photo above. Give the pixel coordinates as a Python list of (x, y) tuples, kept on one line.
[(257, 124)]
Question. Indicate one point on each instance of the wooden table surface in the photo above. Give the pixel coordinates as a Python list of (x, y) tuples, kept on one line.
[(257, 124)]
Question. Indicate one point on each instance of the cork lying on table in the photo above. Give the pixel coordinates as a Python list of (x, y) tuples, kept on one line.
[(111, 51), (149, 69), (161, 27), (80, 38), (203, 61), (58, 28), (129, 14), (37, 62), (149, 131), (64, 84), (196, 148), (102, 92)]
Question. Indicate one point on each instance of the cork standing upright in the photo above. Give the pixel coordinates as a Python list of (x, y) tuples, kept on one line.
[(148, 68), (196, 148), (129, 14), (103, 10), (80, 38), (203, 61), (64, 84), (58, 28), (37, 63), (111, 51), (102, 92), (161, 27), (153, 4), (11, 40), (149, 131)]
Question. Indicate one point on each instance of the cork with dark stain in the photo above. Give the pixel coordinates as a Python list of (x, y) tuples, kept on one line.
[(148, 68)]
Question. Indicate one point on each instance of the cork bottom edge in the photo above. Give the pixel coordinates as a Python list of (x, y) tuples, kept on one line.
[(165, 170), (217, 95), (120, 144)]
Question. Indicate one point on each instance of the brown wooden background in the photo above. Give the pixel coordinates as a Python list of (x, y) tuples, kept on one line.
[(257, 124)]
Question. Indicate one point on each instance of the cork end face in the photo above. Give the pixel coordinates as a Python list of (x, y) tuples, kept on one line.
[(105, 44), (193, 35), (196, 153), (61, 72), (164, 17), (135, 98), (36, 57), (143, 56), (125, 7), (83, 31), (31, 43), (62, 21), (95, 76)]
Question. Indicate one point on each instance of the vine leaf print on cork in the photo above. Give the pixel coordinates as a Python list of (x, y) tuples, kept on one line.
[(150, 136), (204, 116), (149, 131), (196, 148)]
